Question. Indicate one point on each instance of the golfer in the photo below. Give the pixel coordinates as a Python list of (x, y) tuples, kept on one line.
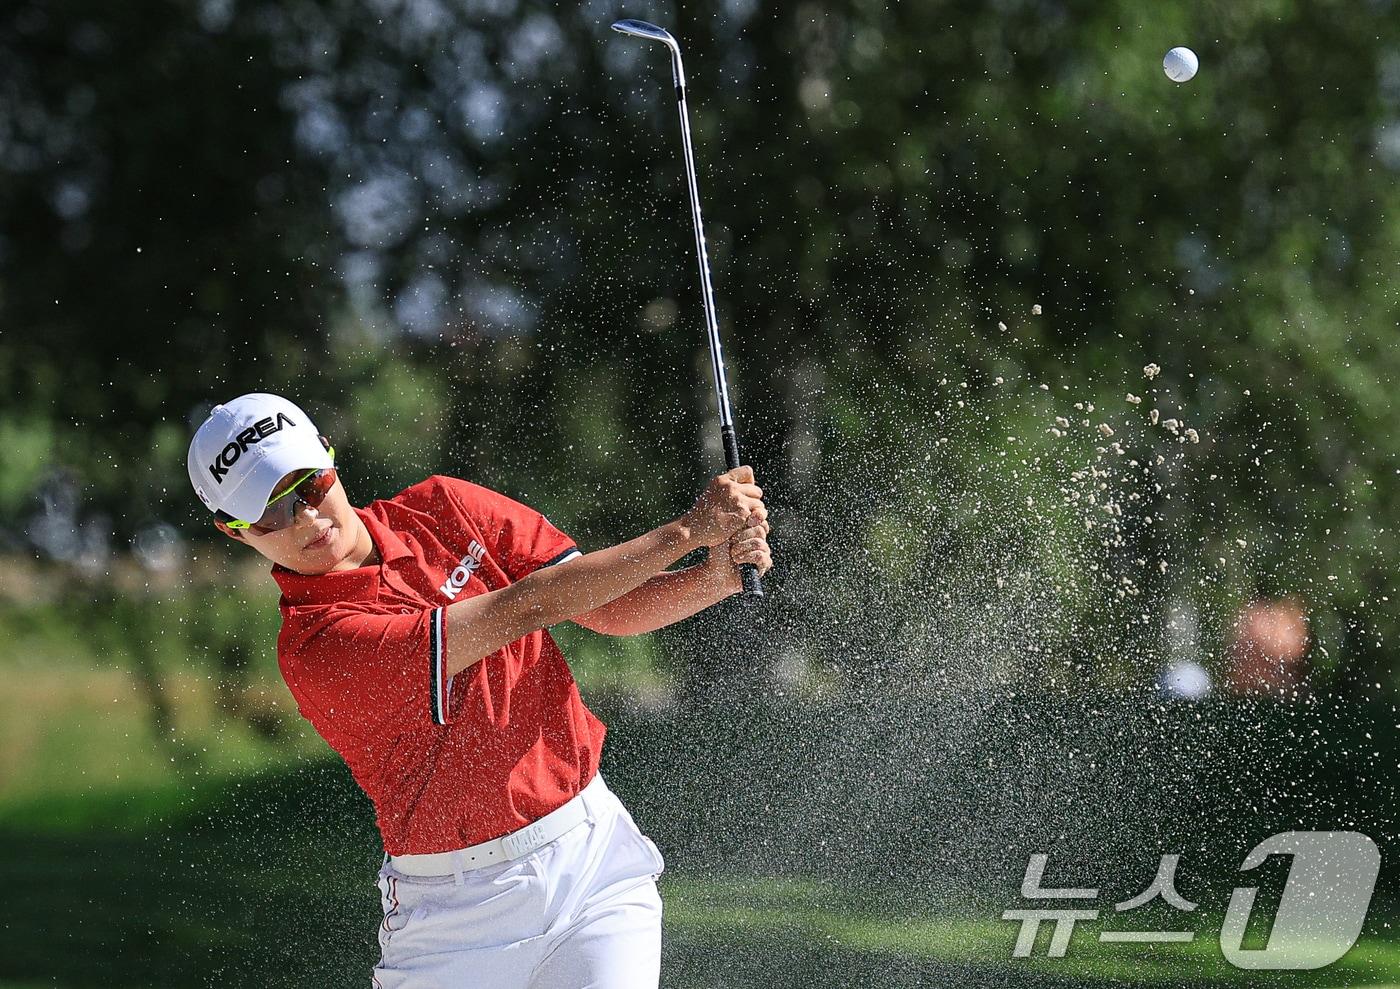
[(414, 640)]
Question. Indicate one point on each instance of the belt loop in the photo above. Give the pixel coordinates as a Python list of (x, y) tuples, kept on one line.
[(457, 867), (594, 794)]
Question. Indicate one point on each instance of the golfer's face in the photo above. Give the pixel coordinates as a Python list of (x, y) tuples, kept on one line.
[(317, 540)]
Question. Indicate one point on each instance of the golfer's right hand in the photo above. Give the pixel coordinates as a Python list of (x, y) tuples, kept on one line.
[(725, 507)]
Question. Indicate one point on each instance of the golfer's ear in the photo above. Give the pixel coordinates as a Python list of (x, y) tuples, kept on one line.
[(325, 441), (231, 533)]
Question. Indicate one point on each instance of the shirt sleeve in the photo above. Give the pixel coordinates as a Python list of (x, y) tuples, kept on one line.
[(362, 671), (522, 540)]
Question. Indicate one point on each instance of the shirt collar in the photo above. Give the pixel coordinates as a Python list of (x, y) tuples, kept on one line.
[(359, 584)]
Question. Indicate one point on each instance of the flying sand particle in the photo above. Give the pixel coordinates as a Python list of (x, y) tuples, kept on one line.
[(1151, 371)]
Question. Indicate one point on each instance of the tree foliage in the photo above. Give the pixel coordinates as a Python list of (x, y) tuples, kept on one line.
[(458, 233)]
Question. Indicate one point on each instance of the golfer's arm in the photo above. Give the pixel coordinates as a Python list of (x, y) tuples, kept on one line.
[(478, 626), (664, 600)]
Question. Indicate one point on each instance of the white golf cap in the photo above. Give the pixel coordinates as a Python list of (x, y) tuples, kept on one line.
[(245, 447)]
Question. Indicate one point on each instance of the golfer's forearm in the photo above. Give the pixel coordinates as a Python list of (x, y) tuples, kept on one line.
[(480, 625), (664, 600)]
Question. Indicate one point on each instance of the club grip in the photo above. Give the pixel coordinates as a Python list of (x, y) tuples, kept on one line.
[(753, 584), (731, 447), (748, 573)]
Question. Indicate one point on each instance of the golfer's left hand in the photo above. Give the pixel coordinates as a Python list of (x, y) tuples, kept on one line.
[(748, 545)]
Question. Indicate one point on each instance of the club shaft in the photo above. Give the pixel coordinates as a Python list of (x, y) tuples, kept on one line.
[(726, 416)]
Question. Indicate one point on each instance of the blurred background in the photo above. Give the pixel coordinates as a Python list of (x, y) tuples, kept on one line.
[(1071, 389)]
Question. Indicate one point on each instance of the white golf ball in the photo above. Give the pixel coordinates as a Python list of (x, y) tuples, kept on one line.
[(1181, 64)]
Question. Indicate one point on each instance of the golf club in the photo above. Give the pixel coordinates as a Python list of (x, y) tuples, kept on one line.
[(753, 586)]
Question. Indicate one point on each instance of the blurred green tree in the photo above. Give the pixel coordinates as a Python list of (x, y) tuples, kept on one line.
[(468, 222)]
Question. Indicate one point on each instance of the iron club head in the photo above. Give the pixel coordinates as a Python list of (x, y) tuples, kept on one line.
[(641, 29)]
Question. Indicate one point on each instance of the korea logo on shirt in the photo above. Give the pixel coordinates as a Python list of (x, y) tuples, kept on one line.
[(462, 573)]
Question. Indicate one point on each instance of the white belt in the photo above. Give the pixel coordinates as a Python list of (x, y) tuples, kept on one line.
[(555, 824)]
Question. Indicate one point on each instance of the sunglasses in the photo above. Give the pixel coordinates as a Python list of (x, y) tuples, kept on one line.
[(310, 490)]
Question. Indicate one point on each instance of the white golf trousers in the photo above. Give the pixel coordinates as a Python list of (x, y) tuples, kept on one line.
[(581, 912)]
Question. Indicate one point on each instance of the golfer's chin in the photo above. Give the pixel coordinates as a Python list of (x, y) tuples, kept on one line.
[(320, 554)]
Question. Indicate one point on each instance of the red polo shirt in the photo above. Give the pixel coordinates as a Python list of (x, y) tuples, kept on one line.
[(447, 763)]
